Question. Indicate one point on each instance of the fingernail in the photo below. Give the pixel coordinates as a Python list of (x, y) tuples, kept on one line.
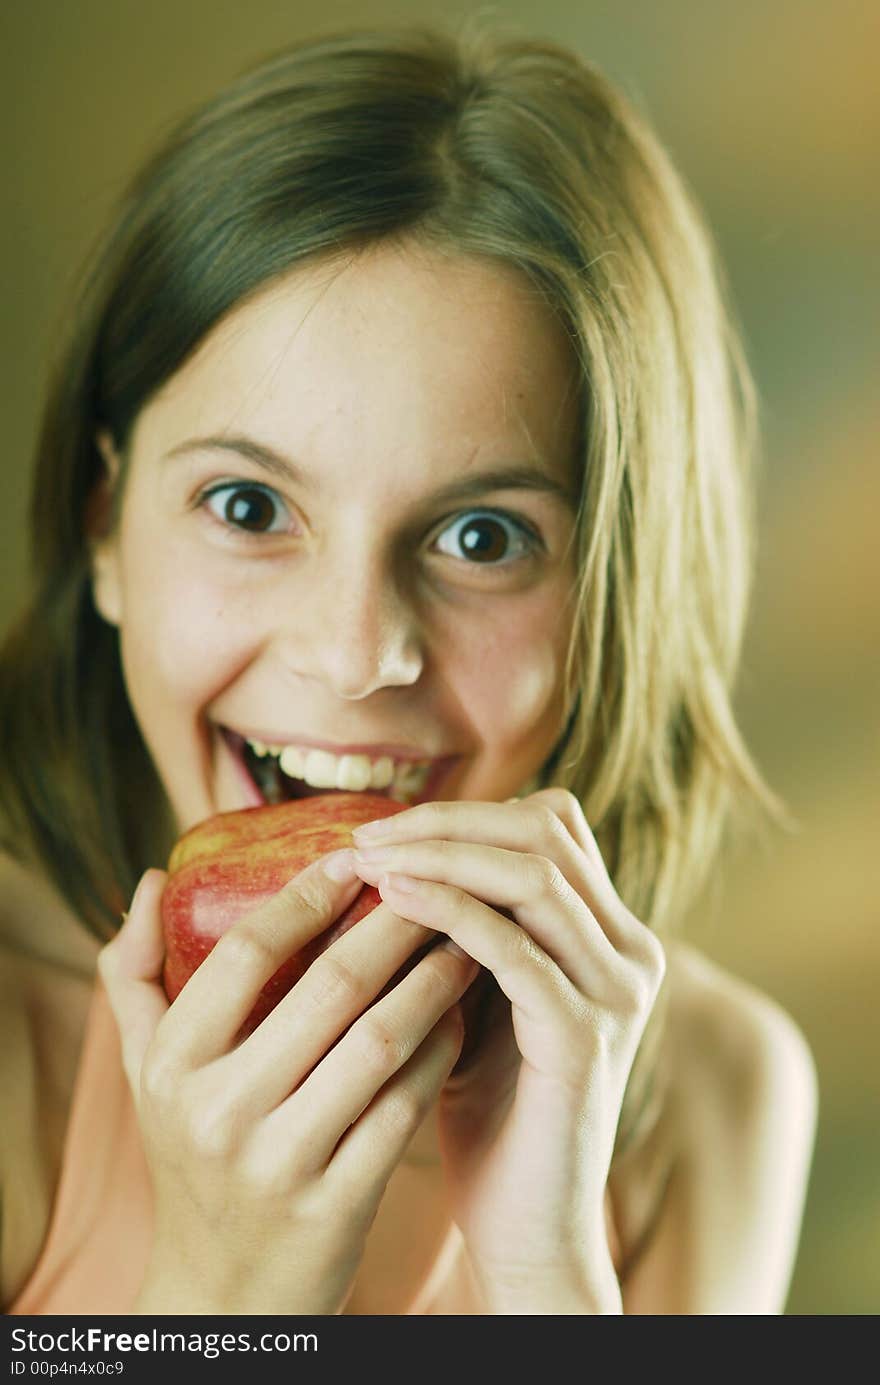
[(340, 865), (375, 855), (401, 884), (372, 830)]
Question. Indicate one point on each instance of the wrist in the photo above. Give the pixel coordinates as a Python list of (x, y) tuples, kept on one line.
[(172, 1288), (564, 1300), (164, 1298), (563, 1293)]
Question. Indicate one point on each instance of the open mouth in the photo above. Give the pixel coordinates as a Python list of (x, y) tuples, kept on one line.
[(266, 782)]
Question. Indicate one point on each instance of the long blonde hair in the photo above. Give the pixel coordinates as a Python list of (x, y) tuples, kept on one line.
[(477, 142)]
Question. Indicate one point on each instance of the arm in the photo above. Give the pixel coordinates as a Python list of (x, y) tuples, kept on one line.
[(727, 1233)]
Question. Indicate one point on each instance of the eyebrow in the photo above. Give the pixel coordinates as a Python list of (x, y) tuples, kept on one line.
[(519, 477)]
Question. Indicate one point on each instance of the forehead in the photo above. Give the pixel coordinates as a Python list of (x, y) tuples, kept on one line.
[(403, 347)]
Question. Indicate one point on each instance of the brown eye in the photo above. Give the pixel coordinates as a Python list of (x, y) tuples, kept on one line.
[(491, 539), (248, 508)]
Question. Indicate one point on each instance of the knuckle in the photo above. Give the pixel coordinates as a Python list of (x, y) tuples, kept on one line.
[(379, 1047), (543, 877), (261, 1174), (562, 805), (308, 893), (640, 987), (633, 997), (648, 954), (211, 1132), (570, 820), (248, 948), (159, 1079), (559, 797), (331, 982), (548, 826), (655, 962)]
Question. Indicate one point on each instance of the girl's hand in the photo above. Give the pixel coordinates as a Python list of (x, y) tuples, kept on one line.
[(527, 1125), (269, 1159)]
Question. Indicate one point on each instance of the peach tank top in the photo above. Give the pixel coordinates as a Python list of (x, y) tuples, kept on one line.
[(100, 1230)]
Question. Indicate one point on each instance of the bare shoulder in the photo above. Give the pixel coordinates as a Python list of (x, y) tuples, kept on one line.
[(37, 923), (746, 1034), (47, 959), (46, 975), (19, 1065), (745, 1097)]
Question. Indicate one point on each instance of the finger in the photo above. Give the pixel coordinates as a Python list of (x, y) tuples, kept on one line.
[(555, 1024), (527, 975), (630, 936), (337, 988), (376, 1046), (473, 820), (569, 811), (557, 1016), (379, 1138), (532, 888), (205, 1019), (531, 825), (586, 871), (130, 968)]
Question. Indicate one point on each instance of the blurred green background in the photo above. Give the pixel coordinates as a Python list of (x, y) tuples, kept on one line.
[(772, 112)]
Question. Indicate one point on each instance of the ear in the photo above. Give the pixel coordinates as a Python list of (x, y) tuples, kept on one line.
[(102, 538)]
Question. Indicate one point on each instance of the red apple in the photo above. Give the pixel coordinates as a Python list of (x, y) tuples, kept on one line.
[(230, 863)]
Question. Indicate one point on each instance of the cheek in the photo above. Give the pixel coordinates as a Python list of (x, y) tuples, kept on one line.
[(180, 636), (509, 677)]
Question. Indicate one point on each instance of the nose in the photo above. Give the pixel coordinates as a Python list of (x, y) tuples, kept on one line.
[(353, 630)]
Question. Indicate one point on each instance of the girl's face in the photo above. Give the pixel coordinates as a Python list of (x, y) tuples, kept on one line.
[(316, 547)]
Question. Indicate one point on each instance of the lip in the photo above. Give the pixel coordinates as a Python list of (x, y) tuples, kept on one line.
[(233, 743), (397, 752)]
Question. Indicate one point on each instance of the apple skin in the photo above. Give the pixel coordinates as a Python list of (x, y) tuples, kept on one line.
[(232, 862)]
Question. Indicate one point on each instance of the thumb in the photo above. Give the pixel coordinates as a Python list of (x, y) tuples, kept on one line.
[(130, 967)]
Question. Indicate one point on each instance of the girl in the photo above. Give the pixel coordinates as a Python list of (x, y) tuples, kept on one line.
[(400, 429)]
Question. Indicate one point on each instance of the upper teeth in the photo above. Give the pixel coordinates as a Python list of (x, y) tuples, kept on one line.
[(323, 770)]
